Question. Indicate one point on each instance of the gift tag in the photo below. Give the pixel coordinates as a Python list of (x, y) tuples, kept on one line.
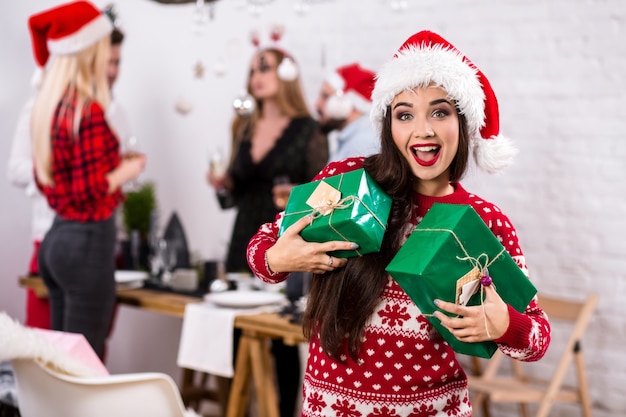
[(467, 285), (324, 198)]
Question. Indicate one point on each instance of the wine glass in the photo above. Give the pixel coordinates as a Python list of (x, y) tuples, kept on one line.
[(217, 164), (131, 145), (130, 149)]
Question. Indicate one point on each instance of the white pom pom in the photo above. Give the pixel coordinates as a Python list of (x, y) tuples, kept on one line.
[(495, 154), (338, 106), (287, 70)]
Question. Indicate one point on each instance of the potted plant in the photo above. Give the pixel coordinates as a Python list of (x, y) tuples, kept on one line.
[(137, 217)]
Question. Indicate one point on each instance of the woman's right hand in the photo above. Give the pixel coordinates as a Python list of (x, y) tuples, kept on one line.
[(219, 182), (215, 181), (291, 253), (128, 169), (133, 165)]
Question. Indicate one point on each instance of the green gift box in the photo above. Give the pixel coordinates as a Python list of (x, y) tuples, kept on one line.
[(349, 206), (444, 257)]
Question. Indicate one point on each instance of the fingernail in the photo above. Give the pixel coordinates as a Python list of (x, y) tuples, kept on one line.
[(437, 302), (354, 246)]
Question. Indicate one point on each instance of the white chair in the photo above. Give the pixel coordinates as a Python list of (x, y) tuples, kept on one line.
[(42, 391)]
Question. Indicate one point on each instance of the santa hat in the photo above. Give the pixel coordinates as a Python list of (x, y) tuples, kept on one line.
[(67, 29), (353, 85), (427, 58)]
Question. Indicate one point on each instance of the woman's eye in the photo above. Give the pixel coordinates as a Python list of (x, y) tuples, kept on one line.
[(404, 116), (440, 113)]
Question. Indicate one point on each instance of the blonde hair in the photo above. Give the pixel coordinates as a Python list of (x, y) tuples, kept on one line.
[(83, 73)]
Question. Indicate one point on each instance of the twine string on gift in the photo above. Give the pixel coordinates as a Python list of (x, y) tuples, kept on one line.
[(476, 263), (331, 206)]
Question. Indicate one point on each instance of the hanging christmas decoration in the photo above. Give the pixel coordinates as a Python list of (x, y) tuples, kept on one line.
[(220, 68), (198, 70), (183, 105), (244, 104)]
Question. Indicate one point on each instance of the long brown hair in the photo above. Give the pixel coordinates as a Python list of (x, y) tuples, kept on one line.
[(341, 302)]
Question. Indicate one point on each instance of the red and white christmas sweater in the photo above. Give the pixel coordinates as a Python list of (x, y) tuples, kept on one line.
[(405, 368)]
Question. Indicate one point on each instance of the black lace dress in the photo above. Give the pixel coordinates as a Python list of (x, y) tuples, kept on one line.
[(300, 153)]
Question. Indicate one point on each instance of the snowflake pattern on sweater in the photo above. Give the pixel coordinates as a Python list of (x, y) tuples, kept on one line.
[(405, 367)]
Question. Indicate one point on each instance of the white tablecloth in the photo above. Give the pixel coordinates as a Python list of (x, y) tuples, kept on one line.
[(206, 340)]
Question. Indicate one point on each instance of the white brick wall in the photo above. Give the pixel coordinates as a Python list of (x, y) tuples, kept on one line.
[(558, 68)]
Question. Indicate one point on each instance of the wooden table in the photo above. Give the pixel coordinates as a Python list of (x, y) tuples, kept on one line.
[(146, 299), (254, 362)]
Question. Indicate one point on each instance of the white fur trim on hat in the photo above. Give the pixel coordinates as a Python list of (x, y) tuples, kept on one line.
[(415, 67), (340, 105), (86, 36)]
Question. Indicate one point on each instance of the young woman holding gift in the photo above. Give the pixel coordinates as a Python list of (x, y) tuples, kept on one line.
[(372, 352)]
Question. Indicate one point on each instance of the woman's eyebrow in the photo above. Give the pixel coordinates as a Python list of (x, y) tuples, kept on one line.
[(439, 101), (402, 103)]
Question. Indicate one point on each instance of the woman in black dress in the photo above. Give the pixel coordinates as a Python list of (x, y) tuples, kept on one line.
[(277, 142)]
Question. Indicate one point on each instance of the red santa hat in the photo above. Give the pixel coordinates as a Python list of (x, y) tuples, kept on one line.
[(353, 85), (67, 29), (427, 58)]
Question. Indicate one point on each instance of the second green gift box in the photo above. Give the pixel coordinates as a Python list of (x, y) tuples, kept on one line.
[(444, 258)]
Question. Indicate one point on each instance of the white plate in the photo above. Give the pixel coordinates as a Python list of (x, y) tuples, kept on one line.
[(123, 276), (244, 299)]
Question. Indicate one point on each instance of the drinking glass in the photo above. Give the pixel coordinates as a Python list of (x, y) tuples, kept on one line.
[(217, 164), (130, 149)]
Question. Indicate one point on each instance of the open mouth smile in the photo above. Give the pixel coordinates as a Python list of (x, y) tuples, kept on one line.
[(426, 154)]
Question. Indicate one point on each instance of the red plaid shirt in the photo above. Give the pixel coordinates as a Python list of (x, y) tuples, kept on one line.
[(79, 165)]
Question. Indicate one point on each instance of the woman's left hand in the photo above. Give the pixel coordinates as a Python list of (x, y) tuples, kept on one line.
[(479, 323), (280, 195)]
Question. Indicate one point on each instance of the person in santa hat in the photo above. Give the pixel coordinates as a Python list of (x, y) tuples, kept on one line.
[(343, 106), (78, 167), (20, 174), (371, 350)]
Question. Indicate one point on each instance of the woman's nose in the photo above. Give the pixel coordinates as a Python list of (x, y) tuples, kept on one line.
[(423, 128)]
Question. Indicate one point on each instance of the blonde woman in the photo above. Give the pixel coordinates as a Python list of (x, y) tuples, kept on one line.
[(78, 167)]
